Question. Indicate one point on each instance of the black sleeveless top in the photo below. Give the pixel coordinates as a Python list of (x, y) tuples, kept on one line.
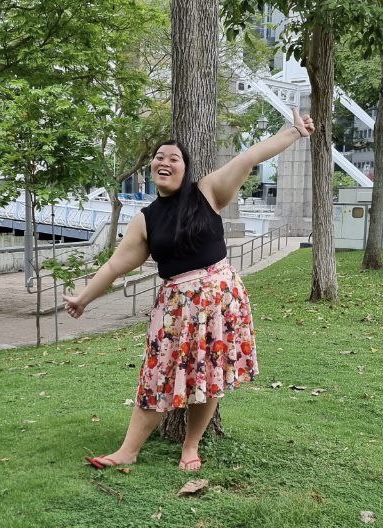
[(161, 220)]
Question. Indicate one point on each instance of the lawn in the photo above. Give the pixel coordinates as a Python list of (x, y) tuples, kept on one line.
[(291, 457)]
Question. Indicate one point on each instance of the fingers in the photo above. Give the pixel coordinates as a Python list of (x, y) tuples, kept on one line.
[(295, 113)]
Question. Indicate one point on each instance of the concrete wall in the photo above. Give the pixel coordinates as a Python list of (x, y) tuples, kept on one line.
[(12, 258)]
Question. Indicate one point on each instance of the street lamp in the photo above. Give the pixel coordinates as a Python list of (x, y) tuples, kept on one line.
[(262, 123)]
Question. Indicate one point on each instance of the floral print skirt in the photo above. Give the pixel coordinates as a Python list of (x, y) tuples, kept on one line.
[(200, 340)]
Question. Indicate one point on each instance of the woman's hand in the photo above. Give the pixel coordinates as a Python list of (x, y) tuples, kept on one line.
[(73, 306), (304, 124)]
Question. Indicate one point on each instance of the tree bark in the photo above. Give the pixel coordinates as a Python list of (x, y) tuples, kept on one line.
[(116, 209), (37, 270), (194, 80), (320, 67), (194, 107), (372, 258)]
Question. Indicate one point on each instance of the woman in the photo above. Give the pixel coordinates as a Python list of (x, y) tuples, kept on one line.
[(200, 338)]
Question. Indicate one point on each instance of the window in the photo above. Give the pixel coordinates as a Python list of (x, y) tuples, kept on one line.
[(357, 212)]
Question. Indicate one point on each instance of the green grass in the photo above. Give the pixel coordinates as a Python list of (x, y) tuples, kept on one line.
[(289, 459)]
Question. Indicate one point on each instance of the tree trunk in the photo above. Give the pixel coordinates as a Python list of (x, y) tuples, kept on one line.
[(116, 209), (320, 67), (373, 254), (194, 107), (194, 80), (37, 270)]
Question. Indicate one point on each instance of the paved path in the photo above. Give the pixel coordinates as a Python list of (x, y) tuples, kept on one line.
[(112, 311)]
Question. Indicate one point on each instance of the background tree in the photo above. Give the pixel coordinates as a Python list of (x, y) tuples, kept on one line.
[(310, 36), (47, 148), (372, 258), (94, 48)]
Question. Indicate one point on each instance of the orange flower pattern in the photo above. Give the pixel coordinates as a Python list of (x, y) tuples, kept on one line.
[(200, 341)]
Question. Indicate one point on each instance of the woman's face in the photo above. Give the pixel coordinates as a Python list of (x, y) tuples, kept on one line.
[(168, 169)]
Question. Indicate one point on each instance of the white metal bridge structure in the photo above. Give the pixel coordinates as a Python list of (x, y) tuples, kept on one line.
[(70, 214), (282, 95)]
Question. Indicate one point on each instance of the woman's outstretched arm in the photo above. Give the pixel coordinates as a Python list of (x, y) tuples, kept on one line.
[(221, 185), (131, 252)]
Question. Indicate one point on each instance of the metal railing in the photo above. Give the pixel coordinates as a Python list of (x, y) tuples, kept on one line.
[(241, 256)]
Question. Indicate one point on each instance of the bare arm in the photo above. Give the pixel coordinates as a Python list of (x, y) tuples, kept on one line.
[(130, 253), (221, 185)]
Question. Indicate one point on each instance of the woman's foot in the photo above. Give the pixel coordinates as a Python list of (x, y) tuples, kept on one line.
[(118, 458), (190, 460)]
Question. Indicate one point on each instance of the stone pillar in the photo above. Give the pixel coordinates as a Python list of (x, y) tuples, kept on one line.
[(294, 185), (233, 227)]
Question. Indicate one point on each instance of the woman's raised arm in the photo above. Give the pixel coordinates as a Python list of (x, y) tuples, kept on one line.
[(221, 185)]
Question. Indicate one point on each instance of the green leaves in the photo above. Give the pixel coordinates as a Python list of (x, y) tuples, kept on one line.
[(53, 149)]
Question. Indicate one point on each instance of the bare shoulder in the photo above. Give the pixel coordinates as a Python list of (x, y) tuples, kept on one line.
[(136, 228)]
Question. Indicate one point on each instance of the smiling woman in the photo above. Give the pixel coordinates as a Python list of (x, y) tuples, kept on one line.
[(200, 339), (168, 169)]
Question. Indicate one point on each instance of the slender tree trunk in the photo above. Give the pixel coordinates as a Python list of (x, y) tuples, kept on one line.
[(37, 271), (194, 106), (320, 67), (116, 209), (373, 254)]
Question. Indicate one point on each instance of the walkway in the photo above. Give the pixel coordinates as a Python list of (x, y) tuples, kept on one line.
[(110, 312)]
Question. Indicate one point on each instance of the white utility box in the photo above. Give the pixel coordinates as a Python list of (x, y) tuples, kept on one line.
[(351, 221)]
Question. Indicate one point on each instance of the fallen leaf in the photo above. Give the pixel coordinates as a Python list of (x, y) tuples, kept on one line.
[(347, 352), (374, 349), (316, 392), (95, 418), (276, 385), (369, 318), (43, 394), (193, 486), (360, 369), (297, 387), (158, 514), (139, 336), (367, 517), (124, 470), (5, 460), (39, 374), (29, 421), (86, 338), (318, 497)]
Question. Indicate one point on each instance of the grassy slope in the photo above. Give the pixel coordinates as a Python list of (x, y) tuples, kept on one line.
[(289, 459)]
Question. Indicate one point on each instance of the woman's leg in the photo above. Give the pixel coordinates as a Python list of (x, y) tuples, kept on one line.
[(141, 425), (199, 416)]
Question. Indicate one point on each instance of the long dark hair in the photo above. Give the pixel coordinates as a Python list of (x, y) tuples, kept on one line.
[(192, 213)]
